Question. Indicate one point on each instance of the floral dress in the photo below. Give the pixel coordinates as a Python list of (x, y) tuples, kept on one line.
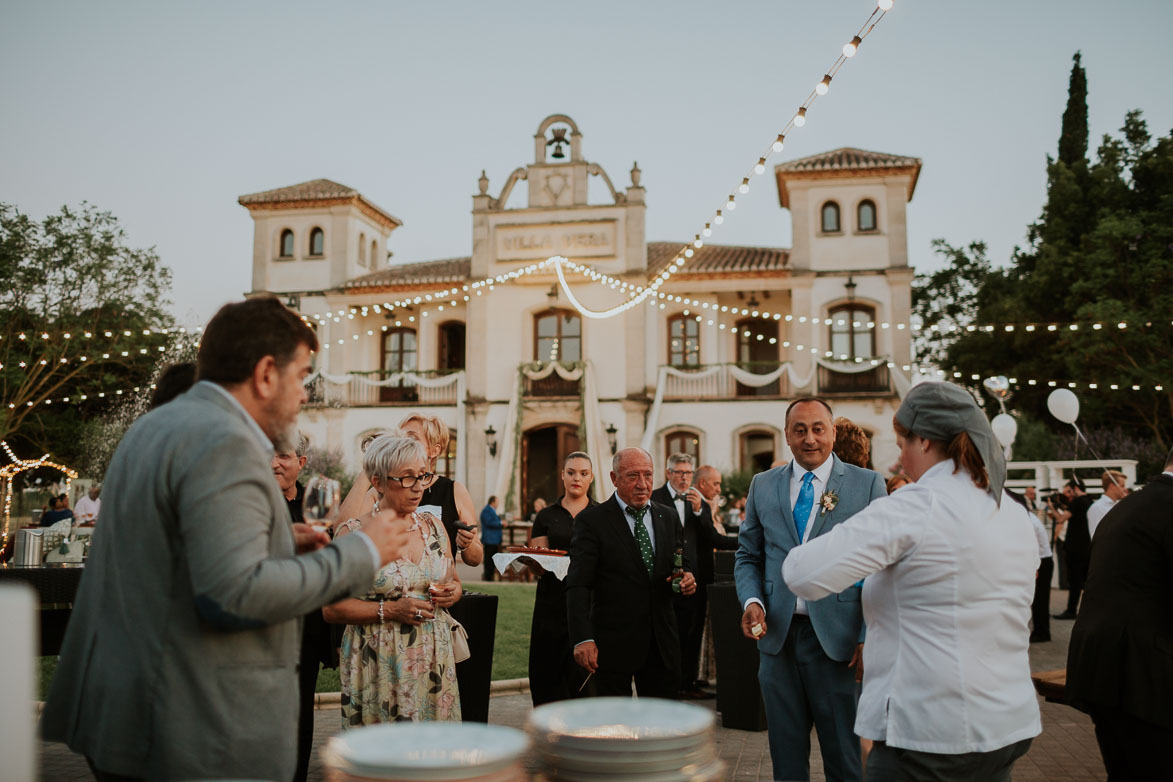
[(398, 672)]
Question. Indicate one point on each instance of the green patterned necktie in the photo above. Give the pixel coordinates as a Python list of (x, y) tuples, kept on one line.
[(643, 538)]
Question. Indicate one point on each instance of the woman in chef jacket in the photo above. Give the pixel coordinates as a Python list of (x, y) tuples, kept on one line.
[(950, 565)]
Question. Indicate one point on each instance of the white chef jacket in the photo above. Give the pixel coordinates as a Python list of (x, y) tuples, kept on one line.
[(950, 580), (86, 509)]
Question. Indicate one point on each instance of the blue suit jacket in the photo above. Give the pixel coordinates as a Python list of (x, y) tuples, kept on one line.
[(768, 534)]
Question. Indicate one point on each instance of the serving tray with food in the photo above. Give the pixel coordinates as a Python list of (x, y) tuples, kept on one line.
[(518, 558)]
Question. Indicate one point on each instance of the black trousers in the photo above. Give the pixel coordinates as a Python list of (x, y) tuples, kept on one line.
[(892, 764), (1133, 749), (1040, 608), (1077, 562), (656, 679), (307, 683), (490, 571), (690, 624)]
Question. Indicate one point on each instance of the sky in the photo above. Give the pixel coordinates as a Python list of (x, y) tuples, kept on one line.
[(165, 112)]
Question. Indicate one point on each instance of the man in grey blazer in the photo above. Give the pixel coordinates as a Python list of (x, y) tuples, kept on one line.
[(181, 657), (808, 650)]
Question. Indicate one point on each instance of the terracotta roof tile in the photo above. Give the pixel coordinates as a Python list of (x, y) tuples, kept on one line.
[(717, 259), (316, 192), (424, 273), (842, 162)]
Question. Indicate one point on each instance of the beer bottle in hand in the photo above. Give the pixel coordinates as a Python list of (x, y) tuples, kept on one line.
[(677, 569)]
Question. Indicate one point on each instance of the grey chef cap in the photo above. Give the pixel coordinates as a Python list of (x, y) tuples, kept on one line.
[(941, 411)]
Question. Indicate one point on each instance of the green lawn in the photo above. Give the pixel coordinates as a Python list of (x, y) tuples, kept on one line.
[(515, 605)]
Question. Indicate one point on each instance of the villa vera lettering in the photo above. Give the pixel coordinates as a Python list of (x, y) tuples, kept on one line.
[(525, 242)]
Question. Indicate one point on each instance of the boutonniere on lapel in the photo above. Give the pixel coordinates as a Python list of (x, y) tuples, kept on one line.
[(829, 500)]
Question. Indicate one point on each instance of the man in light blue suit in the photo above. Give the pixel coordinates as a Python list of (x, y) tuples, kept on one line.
[(808, 650)]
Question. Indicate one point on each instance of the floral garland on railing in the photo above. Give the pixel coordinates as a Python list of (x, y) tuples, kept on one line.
[(394, 378)]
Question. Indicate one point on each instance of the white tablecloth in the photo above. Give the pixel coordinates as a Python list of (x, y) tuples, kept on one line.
[(559, 566)]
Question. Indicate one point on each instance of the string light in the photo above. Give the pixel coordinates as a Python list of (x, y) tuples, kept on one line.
[(823, 86), (17, 466)]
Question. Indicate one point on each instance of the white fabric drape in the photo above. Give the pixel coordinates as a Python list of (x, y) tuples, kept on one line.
[(593, 420), (416, 379), (506, 449), (552, 367)]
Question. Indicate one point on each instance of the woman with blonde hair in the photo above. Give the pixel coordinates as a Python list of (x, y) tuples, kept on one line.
[(397, 660), (448, 499), (949, 566)]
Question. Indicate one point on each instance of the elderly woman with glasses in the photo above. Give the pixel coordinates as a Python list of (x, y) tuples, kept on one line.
[(950, 565), (397, 660)]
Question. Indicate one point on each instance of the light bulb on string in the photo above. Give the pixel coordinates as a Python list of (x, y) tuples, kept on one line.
[(822, 87), (744, 186), (718, 218), (851, 47), (730, 204), (800, 118), (708, 231), (778, 144), (885, 5), (760, 168)]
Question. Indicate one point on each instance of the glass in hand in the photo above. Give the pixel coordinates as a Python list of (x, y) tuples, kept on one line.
[(323, 496), (441, 581)]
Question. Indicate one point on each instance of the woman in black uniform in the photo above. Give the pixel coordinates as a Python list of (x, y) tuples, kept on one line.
[(553, 674)]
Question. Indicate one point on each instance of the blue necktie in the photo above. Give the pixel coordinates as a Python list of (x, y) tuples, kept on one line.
[(806, 501)]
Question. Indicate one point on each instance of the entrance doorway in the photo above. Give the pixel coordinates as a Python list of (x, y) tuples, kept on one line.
[(542, 453)]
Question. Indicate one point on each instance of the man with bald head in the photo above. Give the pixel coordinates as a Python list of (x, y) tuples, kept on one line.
[(618, 591), (808, 650)]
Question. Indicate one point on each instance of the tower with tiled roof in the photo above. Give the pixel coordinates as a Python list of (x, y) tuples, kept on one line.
[(315, 235)]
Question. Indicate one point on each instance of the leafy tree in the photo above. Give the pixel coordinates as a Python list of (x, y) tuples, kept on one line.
[(81, 316), (1101, 252)]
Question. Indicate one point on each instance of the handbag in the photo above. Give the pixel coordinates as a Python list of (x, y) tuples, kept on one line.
[(459, 641)]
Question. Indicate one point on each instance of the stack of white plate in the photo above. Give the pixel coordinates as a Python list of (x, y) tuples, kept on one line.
[(414, 751), (648, 739)]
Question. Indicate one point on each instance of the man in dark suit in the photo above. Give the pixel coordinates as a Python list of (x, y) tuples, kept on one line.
[(618, 591), (700, 538), (1077, 546), (1120, 660)]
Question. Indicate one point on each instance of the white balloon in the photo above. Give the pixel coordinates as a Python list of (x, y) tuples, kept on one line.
[(1064, 405), (1005, 428)]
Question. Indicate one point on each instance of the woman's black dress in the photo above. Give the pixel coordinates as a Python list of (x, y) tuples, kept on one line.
[(553, 674), (442, 493)]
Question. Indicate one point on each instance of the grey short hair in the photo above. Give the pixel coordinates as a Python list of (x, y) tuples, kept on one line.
[(618, 457), (391, 454), (682, 458)]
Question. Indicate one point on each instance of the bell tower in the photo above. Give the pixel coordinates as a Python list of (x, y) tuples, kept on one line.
[(557, 218)]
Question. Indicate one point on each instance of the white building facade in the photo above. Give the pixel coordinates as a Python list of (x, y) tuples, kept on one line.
[(522, 377)]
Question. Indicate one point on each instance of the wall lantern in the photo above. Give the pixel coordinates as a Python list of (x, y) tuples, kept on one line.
[(611, 432), (491, 440)]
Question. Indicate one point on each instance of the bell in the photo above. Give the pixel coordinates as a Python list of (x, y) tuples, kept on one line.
[(558, 139), (558, 154)]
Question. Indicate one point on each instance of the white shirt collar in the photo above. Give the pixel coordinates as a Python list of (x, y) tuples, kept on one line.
[(623, 506), (262, 438), (822, 472)]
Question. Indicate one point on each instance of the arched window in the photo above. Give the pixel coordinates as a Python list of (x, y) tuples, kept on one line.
[(317, 242), (451, 345), (374, 254), (682, 441), (758, 449), (399, 355), (362, 249), (865, 216), (557, 336), (285, 248), (684, 341), (830, 218), (757, 352), (850, 336)]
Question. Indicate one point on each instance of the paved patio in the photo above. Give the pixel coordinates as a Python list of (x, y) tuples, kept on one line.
[(1065, 752)]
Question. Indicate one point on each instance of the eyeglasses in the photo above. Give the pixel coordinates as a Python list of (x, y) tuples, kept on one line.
[(409, 481), (681, 472)]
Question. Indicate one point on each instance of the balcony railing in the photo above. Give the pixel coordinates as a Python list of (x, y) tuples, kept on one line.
[(871, 381), (553, 384), (720, 381), (360, 390)]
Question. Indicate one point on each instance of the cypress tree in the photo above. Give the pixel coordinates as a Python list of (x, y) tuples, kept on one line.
[(1073, 139)]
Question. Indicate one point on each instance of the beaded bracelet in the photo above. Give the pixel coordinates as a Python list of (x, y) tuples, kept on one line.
[(381, 620)]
